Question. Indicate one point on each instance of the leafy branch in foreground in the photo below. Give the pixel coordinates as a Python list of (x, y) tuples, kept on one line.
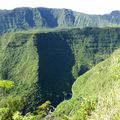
[(6, 84)]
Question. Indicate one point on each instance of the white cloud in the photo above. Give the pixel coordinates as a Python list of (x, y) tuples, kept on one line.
[(86, 6)]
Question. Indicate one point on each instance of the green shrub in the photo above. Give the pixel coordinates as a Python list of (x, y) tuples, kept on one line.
[(6, 84), (44, 109)]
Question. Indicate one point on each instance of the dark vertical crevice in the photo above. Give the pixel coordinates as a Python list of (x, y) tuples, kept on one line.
[(55, 65)]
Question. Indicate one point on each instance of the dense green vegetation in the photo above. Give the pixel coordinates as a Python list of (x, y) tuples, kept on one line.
[(36, 18), (6, 84), (55, 64), (100, 83), (44, 65)]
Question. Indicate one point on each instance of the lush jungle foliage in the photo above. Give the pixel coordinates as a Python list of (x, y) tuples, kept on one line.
[(43, 66), (101, 83)]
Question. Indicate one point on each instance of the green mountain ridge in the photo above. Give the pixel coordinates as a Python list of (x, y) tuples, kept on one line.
[(59, 57), (45, 65), (39, 18), (102, 80)]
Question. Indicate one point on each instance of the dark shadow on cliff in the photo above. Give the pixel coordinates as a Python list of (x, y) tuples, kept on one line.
[(55, 65)]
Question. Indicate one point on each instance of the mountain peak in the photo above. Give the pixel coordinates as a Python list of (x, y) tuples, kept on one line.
[(27, 18), (115, 12)]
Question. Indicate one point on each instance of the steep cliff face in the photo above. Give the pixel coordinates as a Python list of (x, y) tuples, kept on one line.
[(38, 18), (45, 65), (19, 63)]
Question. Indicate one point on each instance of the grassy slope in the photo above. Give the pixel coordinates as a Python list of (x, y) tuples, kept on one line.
[(19, 62), (99, 81), (44, 65)]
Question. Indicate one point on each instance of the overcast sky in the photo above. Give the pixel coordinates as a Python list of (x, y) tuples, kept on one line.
[(86, 6)]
